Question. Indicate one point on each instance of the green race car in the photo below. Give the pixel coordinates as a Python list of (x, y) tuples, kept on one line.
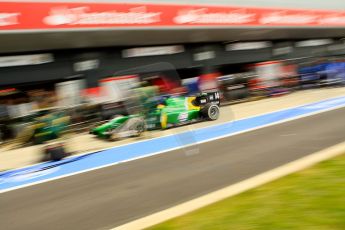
[(161, 114), (121, 127), (42, 126)]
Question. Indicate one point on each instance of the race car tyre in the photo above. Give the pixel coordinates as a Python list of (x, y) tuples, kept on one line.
[(210, 112)]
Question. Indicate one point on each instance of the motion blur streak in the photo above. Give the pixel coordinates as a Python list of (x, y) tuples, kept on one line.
[(118, 194), (234, 189), (25, 177)]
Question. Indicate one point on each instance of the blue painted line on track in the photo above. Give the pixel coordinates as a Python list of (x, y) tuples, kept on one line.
[(49, 170)]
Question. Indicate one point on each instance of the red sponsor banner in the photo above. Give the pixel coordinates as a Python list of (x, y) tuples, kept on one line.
[(45, 16)]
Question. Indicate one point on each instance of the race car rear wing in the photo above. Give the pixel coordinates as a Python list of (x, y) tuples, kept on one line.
[(207, 98)]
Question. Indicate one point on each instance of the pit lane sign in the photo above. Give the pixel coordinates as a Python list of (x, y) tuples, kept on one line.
[(64, 15)]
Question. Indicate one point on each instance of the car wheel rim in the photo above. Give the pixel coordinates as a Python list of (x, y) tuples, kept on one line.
[(213, 112)]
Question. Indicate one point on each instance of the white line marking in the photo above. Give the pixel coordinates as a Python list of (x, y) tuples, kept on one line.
[(169, 150), (234, 189), (217, 124), (209, 126)]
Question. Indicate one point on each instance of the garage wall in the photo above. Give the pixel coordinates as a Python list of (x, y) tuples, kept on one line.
[(110, 62)]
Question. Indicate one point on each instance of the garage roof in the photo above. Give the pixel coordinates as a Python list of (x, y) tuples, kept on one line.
[(80, 37)]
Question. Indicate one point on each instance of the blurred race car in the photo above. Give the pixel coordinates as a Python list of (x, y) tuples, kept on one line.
[(42, 126), (120, 127), (161, 114)]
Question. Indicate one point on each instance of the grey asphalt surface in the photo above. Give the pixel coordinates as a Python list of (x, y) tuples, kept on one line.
[(112, 196)]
